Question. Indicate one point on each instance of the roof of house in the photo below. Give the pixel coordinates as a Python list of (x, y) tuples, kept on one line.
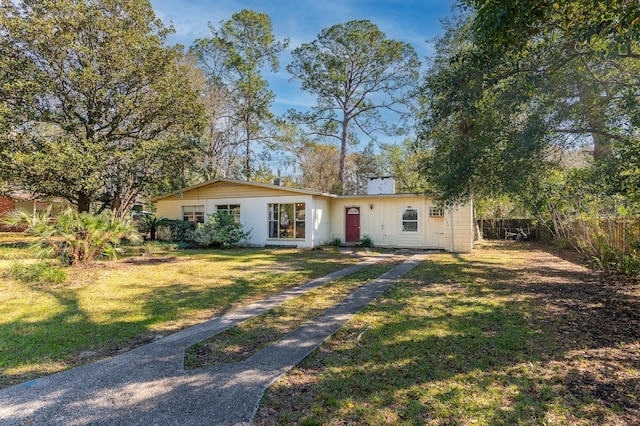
[(247, 183), (22, 195), (381, 195), (276, 187)]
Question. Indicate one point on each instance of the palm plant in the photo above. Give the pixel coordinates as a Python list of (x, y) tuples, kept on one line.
[(150, 223), (75, 238)]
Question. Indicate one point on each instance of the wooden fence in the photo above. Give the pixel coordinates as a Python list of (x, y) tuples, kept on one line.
[(621, 234)]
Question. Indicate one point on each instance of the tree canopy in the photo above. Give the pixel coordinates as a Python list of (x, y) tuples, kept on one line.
[(233, 59), (513, 86), (356, 73), (95, 108)]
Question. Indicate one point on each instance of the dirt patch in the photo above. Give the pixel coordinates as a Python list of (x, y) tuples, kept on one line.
[(144, 260), (596, 318)]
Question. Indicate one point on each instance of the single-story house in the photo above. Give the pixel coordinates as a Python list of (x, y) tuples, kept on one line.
[(25, 201), (283, 216)]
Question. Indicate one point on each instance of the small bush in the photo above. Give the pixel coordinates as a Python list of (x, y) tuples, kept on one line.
[(182, 245), (334, 243), (220, 230), (629, 263), (150, 223), (366, 241), (180, 230), (37, 272)]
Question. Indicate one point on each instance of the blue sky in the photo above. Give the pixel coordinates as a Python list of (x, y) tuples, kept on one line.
[(413, 21)]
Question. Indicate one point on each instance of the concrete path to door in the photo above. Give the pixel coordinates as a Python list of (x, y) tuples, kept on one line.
[(149, 386)]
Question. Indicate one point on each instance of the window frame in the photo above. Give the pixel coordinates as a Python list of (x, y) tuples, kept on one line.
[(286, 221), (405, 221), (197, 214), (232, 209)]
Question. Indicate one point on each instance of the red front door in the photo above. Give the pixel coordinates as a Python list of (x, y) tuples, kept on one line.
[(353, 225)]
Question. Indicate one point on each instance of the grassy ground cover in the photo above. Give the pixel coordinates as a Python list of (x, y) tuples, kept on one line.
[(506, 335), (13, 246), (241, 342), (114, 306)]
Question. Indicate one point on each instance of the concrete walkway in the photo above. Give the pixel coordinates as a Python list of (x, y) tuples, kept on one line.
[(149, 386)]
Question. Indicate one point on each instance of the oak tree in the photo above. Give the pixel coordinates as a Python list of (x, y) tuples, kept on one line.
[(94, 107), (513, 86)]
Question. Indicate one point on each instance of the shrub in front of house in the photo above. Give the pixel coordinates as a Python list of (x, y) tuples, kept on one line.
[(366, 241), (150, 224), (220, 230), (179, 230)]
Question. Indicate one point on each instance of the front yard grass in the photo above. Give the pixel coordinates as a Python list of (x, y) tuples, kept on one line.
[(115, 306), (242, 341), (507, 335)]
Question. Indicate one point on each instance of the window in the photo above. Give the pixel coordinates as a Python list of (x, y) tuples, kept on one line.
[(193, 214), (232, 209), (436, 212), (410, 220), (287, 220)]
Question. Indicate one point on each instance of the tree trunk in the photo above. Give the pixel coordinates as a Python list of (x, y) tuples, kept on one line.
[(343, 153), (595, 117), (247, 159), (84, 202), (124, 203)]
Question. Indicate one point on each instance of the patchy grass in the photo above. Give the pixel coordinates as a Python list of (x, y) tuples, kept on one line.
[(14, 246), (242, 341), (115, 306), (506, 335)]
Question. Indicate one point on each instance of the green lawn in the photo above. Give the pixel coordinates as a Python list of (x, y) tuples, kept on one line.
[(242, 341), (113, 306), (507, 335)]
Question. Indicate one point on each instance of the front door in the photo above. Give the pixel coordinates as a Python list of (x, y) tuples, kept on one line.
[(353, 225)]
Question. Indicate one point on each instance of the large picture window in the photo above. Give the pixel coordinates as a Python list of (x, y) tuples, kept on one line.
[(410, 220), (287, 220), (193, 214), (232, 209)]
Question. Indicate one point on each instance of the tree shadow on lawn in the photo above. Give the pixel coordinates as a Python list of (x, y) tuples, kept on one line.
[(71, 336), (68, 335), (538, 340), (33, 348)]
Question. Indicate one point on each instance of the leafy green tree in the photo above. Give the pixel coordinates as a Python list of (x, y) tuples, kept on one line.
[(512, 85), (95, 108), (357, 73), (233, 59), (76, 239), (404, 162), (479, 135)]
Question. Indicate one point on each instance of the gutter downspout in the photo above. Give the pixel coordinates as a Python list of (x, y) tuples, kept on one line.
[(451, 227)]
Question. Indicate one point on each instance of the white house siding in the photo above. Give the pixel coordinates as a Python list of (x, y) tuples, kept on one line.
[(381, 219), (380, 215), (254, 216), (320, 221), (461, 217)]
